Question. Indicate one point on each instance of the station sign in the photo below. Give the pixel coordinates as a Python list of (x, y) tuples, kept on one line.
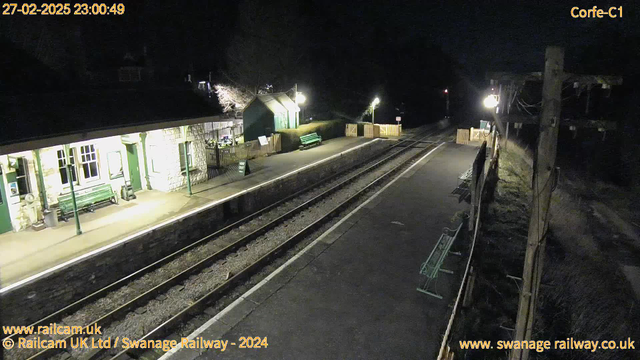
[(243, 167), (398, 118)]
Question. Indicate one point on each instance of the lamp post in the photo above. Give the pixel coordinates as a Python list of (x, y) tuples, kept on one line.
[(69, 168), (446, 92), (375, 102), (300, 99), (490, 101)]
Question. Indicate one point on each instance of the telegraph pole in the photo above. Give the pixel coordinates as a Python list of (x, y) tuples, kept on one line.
[(543, 179)]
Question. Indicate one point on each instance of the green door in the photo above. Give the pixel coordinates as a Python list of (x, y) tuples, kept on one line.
[(5, 218), (134, 168)]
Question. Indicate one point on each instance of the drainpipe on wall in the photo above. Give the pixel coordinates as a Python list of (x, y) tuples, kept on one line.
[(143, 138), (43, 191), (73, 193), (186, 162), (185, 129)]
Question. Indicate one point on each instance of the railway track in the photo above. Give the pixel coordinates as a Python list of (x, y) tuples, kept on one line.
[(280, 212)]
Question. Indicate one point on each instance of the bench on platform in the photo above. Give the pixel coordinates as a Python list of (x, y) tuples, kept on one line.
[(462, 189), (310, 140), (432, 267), (466, 176), (86, 199)]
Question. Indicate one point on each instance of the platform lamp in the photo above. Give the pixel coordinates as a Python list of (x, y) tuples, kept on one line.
[(446, 93), (73, 193), (184, 129), (300, 99), (375, 102)]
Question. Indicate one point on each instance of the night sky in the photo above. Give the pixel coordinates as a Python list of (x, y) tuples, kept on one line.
[(341, 54)]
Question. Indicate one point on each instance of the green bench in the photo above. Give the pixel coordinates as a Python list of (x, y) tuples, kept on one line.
[(432, 267), (310, 140), (86, 199), (463, 188)]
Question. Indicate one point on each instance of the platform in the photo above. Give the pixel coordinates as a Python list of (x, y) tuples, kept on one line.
[(352, 293), (28, 253)]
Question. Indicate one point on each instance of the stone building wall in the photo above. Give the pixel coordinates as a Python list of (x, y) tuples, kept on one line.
[(164, 153), (22, 213), (163, 158)]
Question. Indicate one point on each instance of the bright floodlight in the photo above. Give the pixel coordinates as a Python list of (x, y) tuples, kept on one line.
[(300, 99), (375, 102), (490, 101)]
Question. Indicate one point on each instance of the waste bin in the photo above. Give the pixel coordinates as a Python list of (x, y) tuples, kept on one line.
[(50, 218)]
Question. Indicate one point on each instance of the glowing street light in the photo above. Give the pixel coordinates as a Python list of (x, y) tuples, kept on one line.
[(490, 101), (375, 102), (300, 98), (446, 91)]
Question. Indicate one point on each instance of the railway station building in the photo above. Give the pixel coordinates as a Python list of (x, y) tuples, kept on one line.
[(108, 138), (269, 113)]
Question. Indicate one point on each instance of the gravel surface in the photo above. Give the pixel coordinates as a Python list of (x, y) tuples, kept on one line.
[(137, 323)]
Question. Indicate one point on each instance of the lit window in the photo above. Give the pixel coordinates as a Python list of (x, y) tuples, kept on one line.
[(22, 176), (181, 150), (89, 161), (62, 167)]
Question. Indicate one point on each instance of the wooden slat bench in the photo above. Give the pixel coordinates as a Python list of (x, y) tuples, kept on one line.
[(462, 189), (433, 265), (310, 140), (86, 199)]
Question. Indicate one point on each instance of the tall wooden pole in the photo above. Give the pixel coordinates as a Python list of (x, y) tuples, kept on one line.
[(542, 187)]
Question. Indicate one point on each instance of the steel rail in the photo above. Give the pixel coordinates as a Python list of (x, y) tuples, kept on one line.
[(59, 314), (167, 284), (199, 305)]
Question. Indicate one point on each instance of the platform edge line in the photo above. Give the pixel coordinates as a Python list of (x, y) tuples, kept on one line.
[(256, 287)]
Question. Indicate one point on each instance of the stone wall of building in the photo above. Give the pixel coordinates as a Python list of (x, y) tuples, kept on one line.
[(163, 147), (52, 172)]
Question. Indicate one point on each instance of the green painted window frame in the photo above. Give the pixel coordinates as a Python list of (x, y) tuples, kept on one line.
[(90, 164), (62, 165)]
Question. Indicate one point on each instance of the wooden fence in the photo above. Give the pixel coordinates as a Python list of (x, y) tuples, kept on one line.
[(384, 130), (371, 131), (462, 136), (479, 135), (351, 130), (390, 130)]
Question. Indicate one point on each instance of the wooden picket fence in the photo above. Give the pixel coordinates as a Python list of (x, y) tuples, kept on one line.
[(462, 136), (381, 130), (390, 130)]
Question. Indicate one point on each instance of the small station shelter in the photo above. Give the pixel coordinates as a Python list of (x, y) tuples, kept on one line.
[(268, 113)]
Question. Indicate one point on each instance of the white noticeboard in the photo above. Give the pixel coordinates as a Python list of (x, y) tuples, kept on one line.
[(398, 118), (263, 140)]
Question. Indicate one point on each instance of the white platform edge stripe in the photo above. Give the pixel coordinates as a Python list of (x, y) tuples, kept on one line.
[(242, 298), (179, 217)]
